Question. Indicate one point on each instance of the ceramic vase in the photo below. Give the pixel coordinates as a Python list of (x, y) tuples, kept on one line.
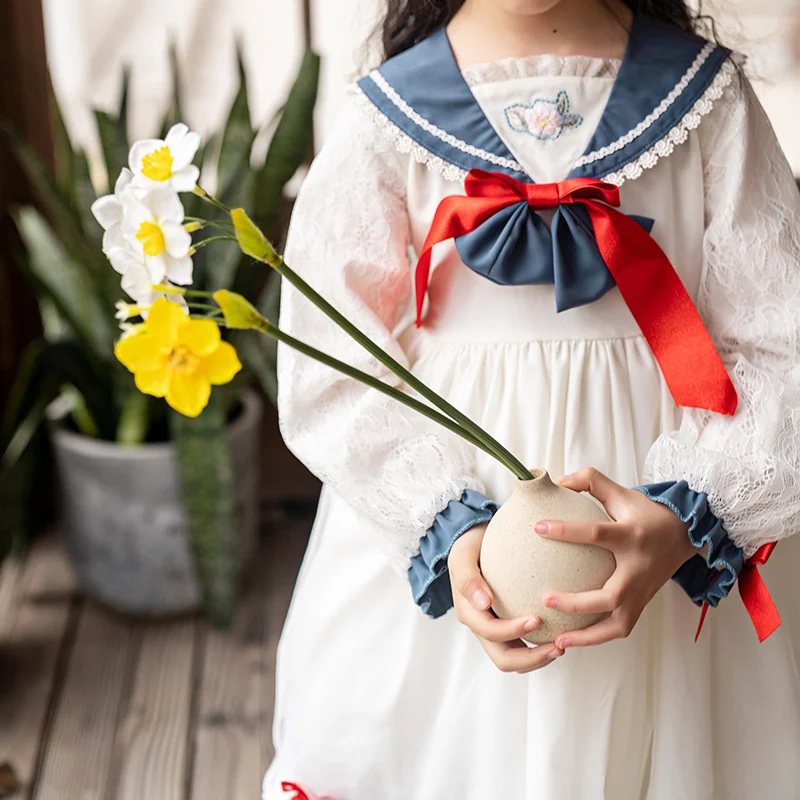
[(521, 567)]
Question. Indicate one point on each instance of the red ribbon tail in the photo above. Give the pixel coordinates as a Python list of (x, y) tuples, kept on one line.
[(293, 787), (665, 313), (758, 602), (703, 615)]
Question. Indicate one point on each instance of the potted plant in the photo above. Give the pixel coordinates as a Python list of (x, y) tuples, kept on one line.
[(148, 530)]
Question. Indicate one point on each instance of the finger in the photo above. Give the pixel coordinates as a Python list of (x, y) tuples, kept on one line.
[(605, 631), (601, 601), (602, 534), (465, 574), (597, 484), (517, 657), (486, 626)]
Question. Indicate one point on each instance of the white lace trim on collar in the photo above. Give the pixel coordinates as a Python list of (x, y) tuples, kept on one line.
[(541, 66), (661, 149)]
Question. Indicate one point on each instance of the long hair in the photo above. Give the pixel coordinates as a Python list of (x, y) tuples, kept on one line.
[(408, 22)]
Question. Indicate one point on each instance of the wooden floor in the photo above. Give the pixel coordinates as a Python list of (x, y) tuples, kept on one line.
[(94, 706)]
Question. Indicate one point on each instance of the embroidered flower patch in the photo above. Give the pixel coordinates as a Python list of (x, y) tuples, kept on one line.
[(544, 119)]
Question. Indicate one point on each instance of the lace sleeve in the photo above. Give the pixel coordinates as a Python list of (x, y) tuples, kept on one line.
[(749, 465), (349, 238)]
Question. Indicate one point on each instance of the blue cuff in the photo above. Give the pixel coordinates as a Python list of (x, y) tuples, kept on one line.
[(704, 580), (428, 571)]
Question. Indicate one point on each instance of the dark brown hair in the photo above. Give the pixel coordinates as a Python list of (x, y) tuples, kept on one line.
[(407, 22)]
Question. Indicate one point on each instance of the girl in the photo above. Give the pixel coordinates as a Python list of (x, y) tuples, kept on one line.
[(673, 363)]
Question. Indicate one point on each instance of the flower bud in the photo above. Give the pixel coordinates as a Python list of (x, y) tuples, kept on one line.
[(251, 240), (239, 313)]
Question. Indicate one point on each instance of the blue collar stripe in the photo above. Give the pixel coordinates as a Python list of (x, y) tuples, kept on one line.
[(664, 73), (423, 85)]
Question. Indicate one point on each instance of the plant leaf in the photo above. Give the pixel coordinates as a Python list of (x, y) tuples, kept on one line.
[(63, 150), (107, 130), (174, 113), (65, 283), (237, 145), (85, 195), (65, 222), (69, 364), (291, 145), (207, 482), (134, 420)]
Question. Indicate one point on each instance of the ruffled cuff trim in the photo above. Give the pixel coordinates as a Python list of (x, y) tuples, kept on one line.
[(428, 571), (704, 580)]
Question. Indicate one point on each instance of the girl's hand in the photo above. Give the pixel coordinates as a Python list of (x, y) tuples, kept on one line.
[(648, 541), (473, 600)]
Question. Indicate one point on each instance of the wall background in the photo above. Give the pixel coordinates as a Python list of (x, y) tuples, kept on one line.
[(89, 41)]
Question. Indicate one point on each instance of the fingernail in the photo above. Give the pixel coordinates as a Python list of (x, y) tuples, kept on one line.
[(563, 643), (532, 624), (554, 654), (562, 478), (542, 528), (551, 602), (481, 600)]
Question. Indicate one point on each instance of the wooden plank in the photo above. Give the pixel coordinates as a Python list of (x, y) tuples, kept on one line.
[(151, 749), (234, 743), (31, 645), (78, 755)]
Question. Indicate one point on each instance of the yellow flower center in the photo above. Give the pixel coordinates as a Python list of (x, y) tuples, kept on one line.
[(152, 239), (183, 360), (158, 165)]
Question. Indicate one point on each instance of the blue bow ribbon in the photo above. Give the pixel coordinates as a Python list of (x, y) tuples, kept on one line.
[(515, 247)]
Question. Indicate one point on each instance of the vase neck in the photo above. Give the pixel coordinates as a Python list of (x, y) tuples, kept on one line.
[(541, 481)]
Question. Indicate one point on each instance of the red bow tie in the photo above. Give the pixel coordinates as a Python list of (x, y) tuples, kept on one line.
[(651, 288)]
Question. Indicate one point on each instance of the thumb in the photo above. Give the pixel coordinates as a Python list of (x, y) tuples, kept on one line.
[(598, 485), (465, 572)]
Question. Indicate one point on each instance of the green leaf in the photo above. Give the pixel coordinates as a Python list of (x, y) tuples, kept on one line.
[(207, 482), (237, 145), (24, 392), (122, 118), (113, 133), (66, 284), (291, 145), (85, 195), (65, 221), (174, 113), (69, 364), (63, 150), (107, 129), (259, 354), (134, 421)]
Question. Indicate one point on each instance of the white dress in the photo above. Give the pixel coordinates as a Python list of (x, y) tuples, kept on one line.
[(375, 701)]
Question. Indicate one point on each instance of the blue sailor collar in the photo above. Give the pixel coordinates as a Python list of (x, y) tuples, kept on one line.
[(665, 76)]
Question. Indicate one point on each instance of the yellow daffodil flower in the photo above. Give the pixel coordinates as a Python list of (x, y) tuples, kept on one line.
[(178, 358)]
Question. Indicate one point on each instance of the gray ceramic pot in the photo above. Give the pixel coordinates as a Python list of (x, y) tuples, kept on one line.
[(124, 525)]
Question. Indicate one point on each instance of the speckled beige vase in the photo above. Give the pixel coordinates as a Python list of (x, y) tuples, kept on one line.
[(521, 567)]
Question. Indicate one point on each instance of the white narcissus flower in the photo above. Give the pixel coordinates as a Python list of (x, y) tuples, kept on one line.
[(153, 228), (107, 211), (138, 283), (166, 162)]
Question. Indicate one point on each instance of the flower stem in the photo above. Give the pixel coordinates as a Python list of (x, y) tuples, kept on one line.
[(204, 242), (200, 192), (370, 380), (204, 307), (487, 442), (211, 224)]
